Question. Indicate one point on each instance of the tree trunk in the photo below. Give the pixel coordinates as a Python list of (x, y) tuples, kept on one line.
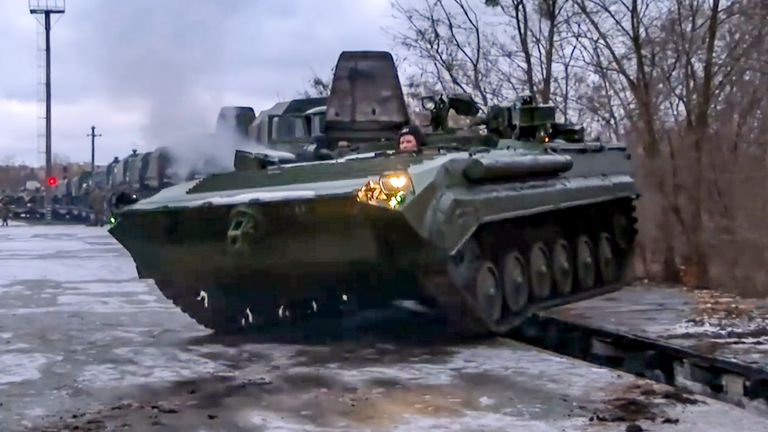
[(697, 254)]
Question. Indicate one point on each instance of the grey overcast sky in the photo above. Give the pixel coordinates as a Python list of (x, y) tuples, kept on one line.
[(138, 69)]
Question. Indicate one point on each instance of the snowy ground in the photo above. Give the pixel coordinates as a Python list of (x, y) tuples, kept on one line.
[(85, 345), (708, 322)]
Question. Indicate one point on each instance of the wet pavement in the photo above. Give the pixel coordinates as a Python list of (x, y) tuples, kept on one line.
[(707, 322), (85, 345)]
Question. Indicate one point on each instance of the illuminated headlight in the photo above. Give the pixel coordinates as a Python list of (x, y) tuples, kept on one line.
[(112, 220), (391, 190), (393, 183)]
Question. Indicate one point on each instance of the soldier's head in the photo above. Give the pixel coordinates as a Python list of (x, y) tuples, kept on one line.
[(411, 139)]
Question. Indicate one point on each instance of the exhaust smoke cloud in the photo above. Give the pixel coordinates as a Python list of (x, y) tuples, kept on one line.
[(173, 67)]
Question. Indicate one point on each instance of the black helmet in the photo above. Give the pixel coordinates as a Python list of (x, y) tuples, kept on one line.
[(416, 132)]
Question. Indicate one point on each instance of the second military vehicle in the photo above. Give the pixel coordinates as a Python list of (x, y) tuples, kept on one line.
[(491, 222)]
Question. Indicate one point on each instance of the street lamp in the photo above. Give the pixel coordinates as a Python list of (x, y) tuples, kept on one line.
[(46, 8)]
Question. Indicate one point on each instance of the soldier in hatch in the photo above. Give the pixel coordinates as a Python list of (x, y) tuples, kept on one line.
[(411, 139), (98, 203)]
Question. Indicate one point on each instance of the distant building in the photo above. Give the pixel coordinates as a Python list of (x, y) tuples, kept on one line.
[(31, 185)]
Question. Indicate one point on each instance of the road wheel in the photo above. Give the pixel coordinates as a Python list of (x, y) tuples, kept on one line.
[(539, 271), (606, 258), (585, 263), (515, 279), (490, 296), (562, 267)]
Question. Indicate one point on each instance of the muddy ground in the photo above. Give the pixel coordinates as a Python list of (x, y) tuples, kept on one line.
[(85, 345)]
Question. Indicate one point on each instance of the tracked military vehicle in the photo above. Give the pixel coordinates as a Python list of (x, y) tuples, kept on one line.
[(489, 223)]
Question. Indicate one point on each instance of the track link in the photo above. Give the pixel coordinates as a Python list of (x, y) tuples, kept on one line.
[(456, 288), (210, 308), (231, 310)]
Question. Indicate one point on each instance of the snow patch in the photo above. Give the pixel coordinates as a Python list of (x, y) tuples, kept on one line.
[(23, 367), (106, 304), (720, 329), (280, 423), (486, 401), (141, 365), (10, 289), (15, 347), (66, 269), (504, 359), (470, 421), (108, 287), (484, 421), (248, 197)]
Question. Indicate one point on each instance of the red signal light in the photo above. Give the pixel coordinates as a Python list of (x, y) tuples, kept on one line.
[(52, 181)]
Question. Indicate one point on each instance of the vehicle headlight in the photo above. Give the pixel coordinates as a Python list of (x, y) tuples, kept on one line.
[(391, 190), (395, 182)]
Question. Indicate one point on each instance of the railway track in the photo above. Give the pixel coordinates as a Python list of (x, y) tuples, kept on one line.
[(732, 382), (663, 334)]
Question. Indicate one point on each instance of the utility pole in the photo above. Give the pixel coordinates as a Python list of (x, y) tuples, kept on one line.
[(47, 8), (93, 136)]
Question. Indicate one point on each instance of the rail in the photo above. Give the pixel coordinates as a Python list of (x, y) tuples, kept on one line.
[(728, 381)]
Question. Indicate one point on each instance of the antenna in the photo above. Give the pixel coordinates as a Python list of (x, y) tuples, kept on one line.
[(46, 8)]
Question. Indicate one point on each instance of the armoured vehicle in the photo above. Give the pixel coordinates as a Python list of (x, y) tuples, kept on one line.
[(289, 122), (489, 223), (142, 174)]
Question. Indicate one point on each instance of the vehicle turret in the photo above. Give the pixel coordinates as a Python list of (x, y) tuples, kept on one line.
[(525, 120)]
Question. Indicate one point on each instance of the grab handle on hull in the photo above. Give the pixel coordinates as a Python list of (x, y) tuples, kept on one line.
[(485, 169)]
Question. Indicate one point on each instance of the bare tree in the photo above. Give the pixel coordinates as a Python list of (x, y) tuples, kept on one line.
[(538, 32), (683, 82), (679, 60), (318, 86), (492, 50), (446, 41)]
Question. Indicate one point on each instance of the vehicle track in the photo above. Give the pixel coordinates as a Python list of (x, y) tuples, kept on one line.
[(520, 254)]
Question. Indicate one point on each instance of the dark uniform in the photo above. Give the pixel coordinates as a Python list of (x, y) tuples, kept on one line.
[(98, 205), (5, 212)]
